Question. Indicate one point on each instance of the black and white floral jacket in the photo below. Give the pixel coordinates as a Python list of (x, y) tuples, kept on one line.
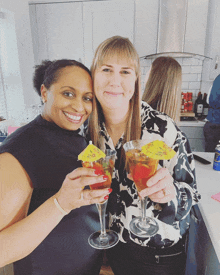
[(124, 204)]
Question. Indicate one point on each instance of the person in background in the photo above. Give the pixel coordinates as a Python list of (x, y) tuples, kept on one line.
[(163, 86), (212, 126), (46, 215), (119, 116)]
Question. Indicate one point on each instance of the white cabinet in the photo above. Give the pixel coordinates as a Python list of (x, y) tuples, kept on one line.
[(57, 31), (195, 136), (193, 25), (11, 90), (196, 23), (3, 108), (75, 29), (146, 26), (213, 41), (104, 19), (211, 67)]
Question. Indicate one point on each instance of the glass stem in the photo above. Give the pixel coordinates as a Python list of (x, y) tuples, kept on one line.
[(143, 209), (102, 209)]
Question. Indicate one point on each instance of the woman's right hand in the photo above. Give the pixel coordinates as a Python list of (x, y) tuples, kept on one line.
[(72, 194)]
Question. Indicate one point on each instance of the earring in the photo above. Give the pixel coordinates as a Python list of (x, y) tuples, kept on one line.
[(43, 100)]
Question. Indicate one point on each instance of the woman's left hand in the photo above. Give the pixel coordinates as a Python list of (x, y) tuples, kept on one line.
[(160, 187)]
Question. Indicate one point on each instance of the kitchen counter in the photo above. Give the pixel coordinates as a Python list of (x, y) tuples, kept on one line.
[(197, 123), (194, 132), (208, 184)]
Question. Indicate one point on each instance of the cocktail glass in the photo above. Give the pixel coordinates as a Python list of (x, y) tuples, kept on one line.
[(141, 168), (105, 238)]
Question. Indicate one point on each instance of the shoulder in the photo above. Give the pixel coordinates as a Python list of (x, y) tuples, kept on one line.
[(157, 123), (16, 190), (148, 113), (21, 135), (11, 166), (215, 89), (217, 79), (23, 143)]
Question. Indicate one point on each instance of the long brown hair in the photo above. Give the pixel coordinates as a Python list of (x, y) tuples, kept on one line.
[(163, 87), (122, 48)]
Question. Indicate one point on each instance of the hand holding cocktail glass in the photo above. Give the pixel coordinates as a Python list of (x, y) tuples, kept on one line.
[(103, 164), (160, 187), (142, 157)]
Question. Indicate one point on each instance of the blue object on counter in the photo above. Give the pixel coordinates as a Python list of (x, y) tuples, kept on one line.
[(216, 163)]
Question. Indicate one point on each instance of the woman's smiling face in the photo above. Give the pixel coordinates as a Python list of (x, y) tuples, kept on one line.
[(68, 101), (114, 83)]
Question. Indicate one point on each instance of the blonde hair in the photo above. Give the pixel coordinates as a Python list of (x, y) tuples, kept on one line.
[(121, 48), (163, 87)]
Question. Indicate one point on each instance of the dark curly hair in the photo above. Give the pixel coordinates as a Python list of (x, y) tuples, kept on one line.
[(48, 72)]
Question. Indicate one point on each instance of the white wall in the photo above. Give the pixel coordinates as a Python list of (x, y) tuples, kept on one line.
[(25, 49), (211, 68)]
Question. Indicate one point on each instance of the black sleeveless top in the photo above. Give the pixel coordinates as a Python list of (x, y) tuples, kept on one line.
[(48, 153)]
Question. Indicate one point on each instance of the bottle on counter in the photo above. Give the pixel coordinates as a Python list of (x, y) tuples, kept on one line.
[(198, 107), (190, 106), (205, 106), (195, 103), (182, 102), (185, 106), (190, 103)]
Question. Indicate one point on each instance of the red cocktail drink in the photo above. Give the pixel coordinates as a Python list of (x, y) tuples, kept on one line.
[(102, 168), (141, 167)]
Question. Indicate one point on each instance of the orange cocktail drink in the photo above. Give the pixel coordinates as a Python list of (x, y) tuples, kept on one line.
[(141, 167), (103, 163), (104, 168)]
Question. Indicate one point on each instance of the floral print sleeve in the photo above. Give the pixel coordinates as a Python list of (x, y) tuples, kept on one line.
[(124, 204), (184, 176)]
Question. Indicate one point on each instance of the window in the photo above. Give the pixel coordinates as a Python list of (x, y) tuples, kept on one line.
[(11, 92)]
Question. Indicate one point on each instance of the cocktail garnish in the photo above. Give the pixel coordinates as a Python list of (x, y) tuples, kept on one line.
[(158, 150), (91, 153)]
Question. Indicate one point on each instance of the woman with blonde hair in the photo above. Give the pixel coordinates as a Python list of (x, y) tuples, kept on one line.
[(163, 87), (119, 116), (132, 119)]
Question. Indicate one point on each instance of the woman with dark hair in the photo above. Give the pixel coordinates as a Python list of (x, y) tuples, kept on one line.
[(120, 116), (46, 214)]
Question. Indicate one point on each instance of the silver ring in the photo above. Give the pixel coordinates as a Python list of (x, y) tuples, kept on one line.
[(164, 192), (82, 197)]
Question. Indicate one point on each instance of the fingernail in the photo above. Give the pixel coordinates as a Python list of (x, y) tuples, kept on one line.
[(98, 173), (106, 197), (105, 177), (109, 190)]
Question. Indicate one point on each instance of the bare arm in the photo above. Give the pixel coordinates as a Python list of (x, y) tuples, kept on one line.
[(21, 234)]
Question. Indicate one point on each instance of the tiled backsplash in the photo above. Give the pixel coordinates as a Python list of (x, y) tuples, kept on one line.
[(191, 73)]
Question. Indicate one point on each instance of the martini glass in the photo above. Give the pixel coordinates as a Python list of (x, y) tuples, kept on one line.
[(105, 238), (141, 168)]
